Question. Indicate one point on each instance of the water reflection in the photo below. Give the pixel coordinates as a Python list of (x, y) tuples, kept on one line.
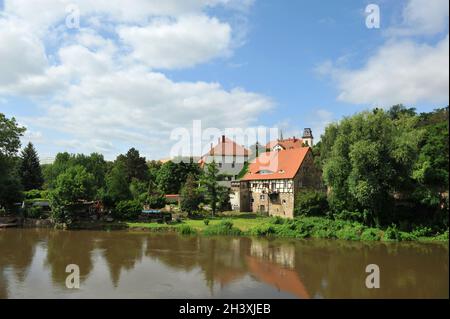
[(141, 265)]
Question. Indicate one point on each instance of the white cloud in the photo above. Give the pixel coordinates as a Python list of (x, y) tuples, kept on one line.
[(93, 85), (399, 72), (403, 69), (423, 17), (188, 41), (21, 53)]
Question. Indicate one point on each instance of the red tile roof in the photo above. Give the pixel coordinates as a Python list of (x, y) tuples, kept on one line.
[(286, 144), (226, 147), (283, 164)]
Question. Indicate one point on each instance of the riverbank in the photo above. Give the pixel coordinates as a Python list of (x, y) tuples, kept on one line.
[(242, 224), (300, 227)]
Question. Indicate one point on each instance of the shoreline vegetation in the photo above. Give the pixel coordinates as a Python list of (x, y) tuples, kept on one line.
[(252, 225)]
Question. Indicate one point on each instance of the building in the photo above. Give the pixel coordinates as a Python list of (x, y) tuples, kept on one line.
[(275, 178), (284, 144), (230, 158)]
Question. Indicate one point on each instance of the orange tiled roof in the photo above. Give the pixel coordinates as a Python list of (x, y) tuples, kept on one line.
[(283, 164), (228, 147), (286, 144)]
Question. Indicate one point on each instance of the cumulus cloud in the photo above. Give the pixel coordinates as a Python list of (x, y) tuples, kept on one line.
[(404, 69), (399, 72), (188, 41), (97, 85), (24, 54), (423, 17)]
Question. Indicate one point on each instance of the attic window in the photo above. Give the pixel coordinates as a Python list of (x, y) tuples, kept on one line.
[(281, 171), (264, 172)]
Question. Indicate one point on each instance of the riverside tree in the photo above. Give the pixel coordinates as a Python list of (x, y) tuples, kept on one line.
[(30, 169), (190, 195), (75, 184), (210, 186), (10, 186)]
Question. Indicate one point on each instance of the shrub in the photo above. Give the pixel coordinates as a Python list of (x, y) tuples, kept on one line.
[(35, 194), (263, 230), (206, 221), (391, 233), (225, 227), (311, 203), (371, 234), (128, 210), (186, 230), (35, 212), (404, 236), (349, 233)]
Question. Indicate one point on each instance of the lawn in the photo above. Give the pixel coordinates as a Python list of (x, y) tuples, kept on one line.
[(243, 221)]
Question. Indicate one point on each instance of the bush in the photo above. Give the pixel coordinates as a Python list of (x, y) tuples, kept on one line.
[(156, 201), (263, 230), (391, 233), (206, 221), (35, 212), (35, 194), (404, 236), (128, 210), (186, 230), (371, 234), (311, 203), (225, 227)]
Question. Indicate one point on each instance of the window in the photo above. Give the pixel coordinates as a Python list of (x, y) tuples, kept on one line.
[(262, 197), (220, 165), (284, 201), (233, 164)]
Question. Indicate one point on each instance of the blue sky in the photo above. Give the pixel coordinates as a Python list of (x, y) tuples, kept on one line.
[(129, 77)]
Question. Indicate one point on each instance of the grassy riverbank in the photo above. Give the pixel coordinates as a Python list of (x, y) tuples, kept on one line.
[(300, 227)]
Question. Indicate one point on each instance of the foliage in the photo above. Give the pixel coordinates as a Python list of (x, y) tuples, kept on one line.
[(225, 227), (184, 229), (311, 203), (367, 158), (36, 194), (117, 188), (210, 187), (128, 210), (35, 212), (172, 176), (190, 196), (30, 169), (135, 165), (10, 185), (71, 186), (206, 221)]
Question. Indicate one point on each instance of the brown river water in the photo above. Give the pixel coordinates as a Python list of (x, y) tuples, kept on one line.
[(120, 264)]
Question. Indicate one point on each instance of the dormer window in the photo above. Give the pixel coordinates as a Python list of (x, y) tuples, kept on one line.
[(264, 172)]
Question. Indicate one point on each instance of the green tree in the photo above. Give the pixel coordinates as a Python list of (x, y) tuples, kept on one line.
[(190, 195), (30, 169), (10, 186), (172, 176), (117, 188), (210, 186), (370, 159), (135, 165), (71, 186)]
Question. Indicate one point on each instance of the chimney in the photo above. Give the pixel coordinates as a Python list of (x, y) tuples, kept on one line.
[(223, 138)]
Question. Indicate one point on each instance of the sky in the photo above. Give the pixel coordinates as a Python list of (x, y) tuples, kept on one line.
[(109, 75)]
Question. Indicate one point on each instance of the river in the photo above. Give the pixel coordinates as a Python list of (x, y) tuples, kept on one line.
[(121, 264)]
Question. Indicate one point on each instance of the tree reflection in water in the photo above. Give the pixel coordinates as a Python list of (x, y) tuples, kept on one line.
[(297, 268)]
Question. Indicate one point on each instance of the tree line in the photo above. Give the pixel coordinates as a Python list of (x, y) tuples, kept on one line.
[(124, 185), (387, 167)]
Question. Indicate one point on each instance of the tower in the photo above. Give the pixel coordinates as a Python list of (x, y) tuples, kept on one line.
[(308, 138)]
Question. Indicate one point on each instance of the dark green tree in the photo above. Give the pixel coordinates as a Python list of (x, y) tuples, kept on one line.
[(30, 169), (117, 187), (210, 187), (135, 165), (190, 195), (10, 186)]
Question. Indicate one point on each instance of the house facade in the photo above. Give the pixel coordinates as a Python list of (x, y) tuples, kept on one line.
[(275, 178)]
